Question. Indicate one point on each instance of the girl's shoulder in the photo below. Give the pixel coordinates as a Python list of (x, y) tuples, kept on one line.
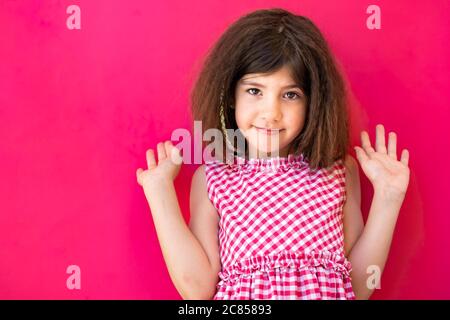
[(199, 178), (349, 162), (200, 186), (350, 168)]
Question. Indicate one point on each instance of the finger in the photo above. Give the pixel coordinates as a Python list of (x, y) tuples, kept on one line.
[(151, 161), (173, 152), (405, 157), (392, 145), (168, 147), (380, 142), (365, 143), (139, 176), (161, 152), (361, 154)]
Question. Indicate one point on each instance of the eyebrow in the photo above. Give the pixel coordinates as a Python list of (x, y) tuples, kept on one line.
[(256, 84)]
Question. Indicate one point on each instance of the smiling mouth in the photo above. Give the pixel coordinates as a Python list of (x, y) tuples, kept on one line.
[(268, 131)]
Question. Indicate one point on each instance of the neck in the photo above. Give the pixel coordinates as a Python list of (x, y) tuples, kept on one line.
[(267, 155)]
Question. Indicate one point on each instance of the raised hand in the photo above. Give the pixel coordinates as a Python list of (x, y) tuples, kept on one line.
[(381, 166), (167, 168)]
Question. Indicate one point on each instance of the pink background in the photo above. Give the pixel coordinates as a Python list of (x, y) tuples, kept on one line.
[(78, 109)]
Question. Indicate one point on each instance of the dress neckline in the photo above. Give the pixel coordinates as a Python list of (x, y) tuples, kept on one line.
[(270, 164)]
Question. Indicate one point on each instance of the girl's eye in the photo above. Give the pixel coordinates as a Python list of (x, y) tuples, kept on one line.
[(252, 89), (292, 94)]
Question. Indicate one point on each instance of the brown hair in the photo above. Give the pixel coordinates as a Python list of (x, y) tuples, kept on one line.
[(262, 42)]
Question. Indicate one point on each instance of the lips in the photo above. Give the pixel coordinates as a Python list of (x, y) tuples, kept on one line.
[(268, 131)]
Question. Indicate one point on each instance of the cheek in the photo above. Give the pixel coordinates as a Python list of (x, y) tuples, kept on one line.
[(296, 120), (295, 116), (238, 117), (243, 117)]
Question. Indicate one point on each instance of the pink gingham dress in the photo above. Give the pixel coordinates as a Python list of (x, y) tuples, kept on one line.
[(280, 229)]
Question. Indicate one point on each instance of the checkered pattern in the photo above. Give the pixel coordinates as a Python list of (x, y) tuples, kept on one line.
[(280, 229)]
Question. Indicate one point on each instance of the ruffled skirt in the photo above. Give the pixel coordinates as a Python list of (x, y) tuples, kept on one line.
[(287, 275)]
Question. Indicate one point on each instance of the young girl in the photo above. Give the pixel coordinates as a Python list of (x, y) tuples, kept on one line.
[(288, 224)]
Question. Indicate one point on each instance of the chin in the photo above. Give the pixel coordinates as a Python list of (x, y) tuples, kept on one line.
[(267, 150)]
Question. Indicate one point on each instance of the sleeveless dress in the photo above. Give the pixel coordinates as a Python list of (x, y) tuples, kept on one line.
[(280, 229)]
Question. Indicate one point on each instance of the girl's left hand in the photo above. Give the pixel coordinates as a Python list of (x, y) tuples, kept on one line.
[(381, 167)]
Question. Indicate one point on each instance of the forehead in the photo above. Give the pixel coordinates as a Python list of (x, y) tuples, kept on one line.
[(283, 74)]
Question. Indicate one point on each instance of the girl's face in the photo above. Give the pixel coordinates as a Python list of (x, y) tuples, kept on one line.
[(270, 111)]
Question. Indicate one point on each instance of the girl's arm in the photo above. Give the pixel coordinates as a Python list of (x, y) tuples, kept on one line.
[(390, 179), (353, 219), (192, 269)]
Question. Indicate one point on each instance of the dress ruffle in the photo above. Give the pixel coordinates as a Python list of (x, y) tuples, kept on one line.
[(274, 164), (287, 259), (318, 267)]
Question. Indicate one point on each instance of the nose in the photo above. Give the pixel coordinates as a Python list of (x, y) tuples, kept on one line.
[(271, 111)]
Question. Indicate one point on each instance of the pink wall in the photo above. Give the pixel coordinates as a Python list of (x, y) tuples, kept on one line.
[(78, 109)]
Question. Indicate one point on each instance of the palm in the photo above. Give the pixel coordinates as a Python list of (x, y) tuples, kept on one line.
[(167, 168), (381, 165)]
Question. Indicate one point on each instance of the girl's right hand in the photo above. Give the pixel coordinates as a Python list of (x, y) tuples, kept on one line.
[(167, 169)]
